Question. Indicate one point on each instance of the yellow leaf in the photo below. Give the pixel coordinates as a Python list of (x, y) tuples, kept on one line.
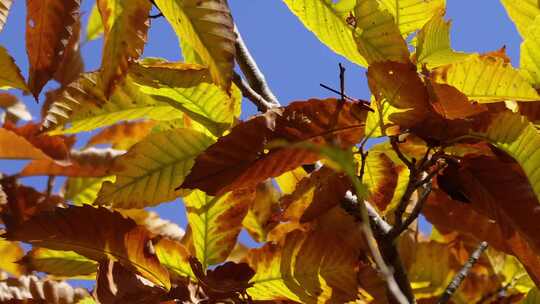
[(533, 297), (10, 75), (411, 15), (287, 181), (150, 171), (530, 54), (522, 12), (60, 264), (125, 25), (433, 46), (84, 190), (486, 79), (303, 269), (511, 269), (11, 253), (260, 211), (215, 223), (207, 26), (328, 22), (175, 257), (94, 29), (377, 35)]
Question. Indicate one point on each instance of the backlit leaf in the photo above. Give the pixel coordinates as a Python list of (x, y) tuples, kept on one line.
[(433, 46), (329, 25), (486, 79), (11, 253), (533, 297), (522, 13), (216, 222), (49, 24), (260, 211), (411, 15), (377, 36), (530, 56), (207, 26), (153, 223), (71, 63), (5, 5), (241, 159), (96, 233), (10, 75), (94, 28), (302, 269), (61, 264), (122, 135), (174, 256), (84, 190), (14, 146), (151, 170), (125, 25), (83, 105), (288, 181)]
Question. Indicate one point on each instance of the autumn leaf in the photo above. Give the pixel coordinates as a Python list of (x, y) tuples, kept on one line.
[(207, 26), (94, 28), (328, 22), (14, 109), (56, 147), (149, 172), (154, 223), (60, 264), (377, 36), (529, 54), (11, 253), (49, 24), (71, 63), (242, 160), (215, 223), (125, 25), (288, 181), (260, 211), (175, 257), (486, 79), (122, 135), (13, 146), (11, 76), (96, 233), (83, 190), (411, 15), (522, 13), (5, 5)]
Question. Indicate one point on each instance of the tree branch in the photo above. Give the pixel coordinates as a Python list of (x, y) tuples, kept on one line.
[(397, 230), (462, 274), (251, 71), (261, 103)]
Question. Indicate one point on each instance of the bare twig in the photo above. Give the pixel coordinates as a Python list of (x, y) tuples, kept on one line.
[(50, 185), (462, 274), (251, 71), (394, 141), (248, 92), (394, 233), (341, 82)]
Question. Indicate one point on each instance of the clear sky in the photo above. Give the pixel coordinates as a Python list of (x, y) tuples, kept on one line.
[(291, 57)]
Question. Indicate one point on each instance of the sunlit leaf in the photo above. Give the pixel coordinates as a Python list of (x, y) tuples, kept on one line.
[(208, 27), (5, 5), (260, 211), (14, 146), (411, 15), (174, 256), (533, 297), (155, 224), (83, 105), (151, 170), (530, 56), (49, 23), (302, 269), (122, 135), (11, 253), (71, 62), (377, 36), (522, 13), (94, 28), (242, 159), (433, 46), (513, 271), (288, 181), (125, 25), (486, 79), (84, 190), (10, 76), (96, 233), (216, 222), (329, 24), (60, 264)]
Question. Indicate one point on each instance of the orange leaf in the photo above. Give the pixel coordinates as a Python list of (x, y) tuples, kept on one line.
[(96, 233), (122, 135), (57, 147), (49, 24), (450, 103), (241, 159), (14, 146)]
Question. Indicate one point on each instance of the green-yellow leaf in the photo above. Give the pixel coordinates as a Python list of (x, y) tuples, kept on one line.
[(125, 25), (94, 29), (433, 44), (411, 15), (175, 257), (306, 268), (522, 12), (377, 36), (260, 211), (188, 88), (151, 170), (486, 79), (83, 105), (513, 272), (328, 22), (533, 297), (215, 223), (84, 190), (60, 264), (207, 26), (530, 53), (10, 75)]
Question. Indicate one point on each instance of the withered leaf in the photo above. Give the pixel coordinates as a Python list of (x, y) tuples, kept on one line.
[(242, 159)]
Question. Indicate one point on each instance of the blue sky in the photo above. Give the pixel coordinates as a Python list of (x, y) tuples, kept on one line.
[(291, 57)]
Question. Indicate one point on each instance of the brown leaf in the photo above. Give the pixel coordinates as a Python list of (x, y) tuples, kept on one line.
[(57, 147), (241, 159), (450, 103), (90, 162), (14, 109), (154, 223), (14, 146), (49, 26), (117, 285), (122, 135), (4, 11), (71, 64), (96, 233)]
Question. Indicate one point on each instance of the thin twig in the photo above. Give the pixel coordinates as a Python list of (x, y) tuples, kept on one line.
[(462, 274), (341, 82), (394, 233), (394, 141), (251, 71), (261, 104), (50, 185)]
